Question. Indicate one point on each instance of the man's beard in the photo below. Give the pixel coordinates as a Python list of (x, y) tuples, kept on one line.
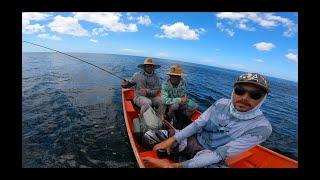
[(244, 102)]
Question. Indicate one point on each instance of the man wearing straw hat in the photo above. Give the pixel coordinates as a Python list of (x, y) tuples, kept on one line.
[(174, 93), (147, 85)]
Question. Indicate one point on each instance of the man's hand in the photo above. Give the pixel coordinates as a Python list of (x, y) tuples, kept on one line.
[(143, 92), (184, 99), (125, 83), (165, 144)]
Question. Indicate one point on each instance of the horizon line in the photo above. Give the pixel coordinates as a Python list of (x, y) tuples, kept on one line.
[(292, 80)]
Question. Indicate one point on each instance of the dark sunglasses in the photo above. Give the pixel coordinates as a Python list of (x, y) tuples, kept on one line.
[(257, 94)]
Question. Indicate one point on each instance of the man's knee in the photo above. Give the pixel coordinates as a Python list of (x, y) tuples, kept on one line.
[(146, 102), (192, 105), (157, 100), (153, 137), (143, 101), (173, 107)]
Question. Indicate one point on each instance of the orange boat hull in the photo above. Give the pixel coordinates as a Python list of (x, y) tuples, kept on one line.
[(256, 157)]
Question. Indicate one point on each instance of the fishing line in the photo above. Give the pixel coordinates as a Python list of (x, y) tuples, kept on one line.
[(76, 58)]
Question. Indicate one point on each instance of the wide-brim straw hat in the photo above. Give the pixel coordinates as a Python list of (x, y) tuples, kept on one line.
[(175, 70), (150, 62)]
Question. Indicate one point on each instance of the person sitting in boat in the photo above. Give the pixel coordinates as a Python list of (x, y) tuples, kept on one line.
[(174, 94), (147, 86), (228, 127)]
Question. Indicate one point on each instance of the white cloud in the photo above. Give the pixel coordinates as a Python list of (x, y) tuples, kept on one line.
[(34, 28), (47, 36), (259, 60), (200, 30), (230, 15), (178, 31), (94, 40), (97, 31), (28, 28), (292, 28), (144, 20), (291, 56), (36, 16), (132, 28), (110, 21), (265, 20), (129, 16), (264, 46), (243, 26), (223, 29), (25, 23), (67, 25)]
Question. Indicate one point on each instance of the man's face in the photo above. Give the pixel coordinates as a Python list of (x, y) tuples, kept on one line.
[(175, 80), (148, 68), (247, 96)]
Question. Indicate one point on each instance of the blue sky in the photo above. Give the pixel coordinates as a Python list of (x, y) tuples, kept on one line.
[(247, 41)]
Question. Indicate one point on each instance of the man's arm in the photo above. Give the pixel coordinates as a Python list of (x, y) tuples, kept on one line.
[(184, 87), (248, 140), (129, 83), (188, 131)]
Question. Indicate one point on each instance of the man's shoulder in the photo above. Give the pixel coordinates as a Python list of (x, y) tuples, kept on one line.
[(263, 121), (222, 101), (183, 81), (262, 128), (166, 82), (156, 75), (136, 74)]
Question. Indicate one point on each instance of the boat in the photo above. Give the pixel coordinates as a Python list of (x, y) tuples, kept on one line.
[(256, 157)]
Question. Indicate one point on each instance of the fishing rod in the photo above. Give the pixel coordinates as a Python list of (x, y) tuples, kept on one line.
[(165, 122), (77, 59)]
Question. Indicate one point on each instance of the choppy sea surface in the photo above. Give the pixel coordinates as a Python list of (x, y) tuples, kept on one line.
[(72, 112)]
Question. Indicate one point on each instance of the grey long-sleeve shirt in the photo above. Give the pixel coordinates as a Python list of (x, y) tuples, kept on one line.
[(143, 80)]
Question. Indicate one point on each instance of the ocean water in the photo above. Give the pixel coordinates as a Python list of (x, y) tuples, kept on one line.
[(72, 112)]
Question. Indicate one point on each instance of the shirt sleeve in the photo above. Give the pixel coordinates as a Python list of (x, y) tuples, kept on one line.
[(203, 158), (208, 157), (165, 96), (250, 139), (185, 91), (132, 82)]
